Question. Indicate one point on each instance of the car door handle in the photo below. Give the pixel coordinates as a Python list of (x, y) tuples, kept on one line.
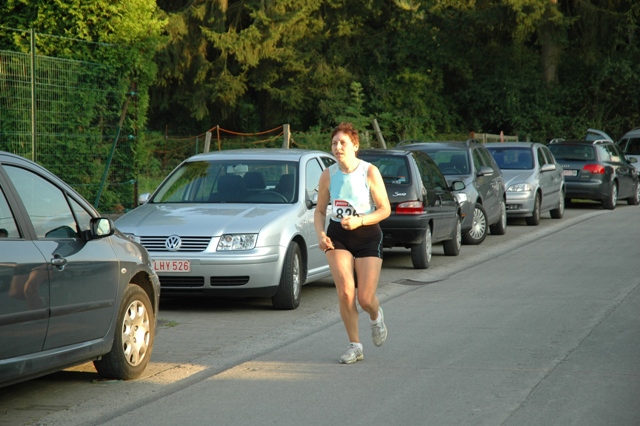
[(59, 261)]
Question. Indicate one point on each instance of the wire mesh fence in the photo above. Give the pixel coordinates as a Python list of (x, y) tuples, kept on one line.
[(66, 114)]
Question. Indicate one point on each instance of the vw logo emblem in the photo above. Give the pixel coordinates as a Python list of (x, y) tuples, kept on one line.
[(173, 243)]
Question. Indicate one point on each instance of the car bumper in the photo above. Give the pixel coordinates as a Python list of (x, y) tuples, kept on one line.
[(591, 190), (403, 230), (520, 204), (253, 273)]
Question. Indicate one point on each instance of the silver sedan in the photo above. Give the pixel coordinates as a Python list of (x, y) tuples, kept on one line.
[(236, 223), (534, 181)]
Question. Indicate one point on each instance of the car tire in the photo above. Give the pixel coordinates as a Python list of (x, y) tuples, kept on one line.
[(500, 227), (534, 219), (478, 231), (634, 200), (452, 247), (287, 296), (610, 202), (133, 340), (421, 253), (558, 212)]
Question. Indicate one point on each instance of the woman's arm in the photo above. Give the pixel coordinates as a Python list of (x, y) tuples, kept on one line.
[(380, 198), (320, 215)]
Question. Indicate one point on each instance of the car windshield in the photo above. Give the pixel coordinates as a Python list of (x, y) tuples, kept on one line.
[(572, 152), (451, 162), (394, 169), (231, 181), (512, 158)]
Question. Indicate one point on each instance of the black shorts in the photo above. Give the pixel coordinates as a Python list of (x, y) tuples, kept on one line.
[(364, 241)]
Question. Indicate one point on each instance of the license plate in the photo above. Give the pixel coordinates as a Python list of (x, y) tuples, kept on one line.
[(172, 265), (570, 172)]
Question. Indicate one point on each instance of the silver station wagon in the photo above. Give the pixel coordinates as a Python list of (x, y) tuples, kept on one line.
[(236, 223)]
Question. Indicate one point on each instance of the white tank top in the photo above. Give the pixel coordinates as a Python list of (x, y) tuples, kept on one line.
[(350, 193)]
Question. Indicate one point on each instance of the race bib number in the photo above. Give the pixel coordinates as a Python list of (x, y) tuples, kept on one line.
[(342, 208)]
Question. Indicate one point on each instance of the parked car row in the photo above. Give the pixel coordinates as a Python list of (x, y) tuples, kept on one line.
[(240, 223)]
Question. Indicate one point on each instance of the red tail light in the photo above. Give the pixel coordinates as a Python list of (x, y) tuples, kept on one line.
[(595, 169), (409, 207)]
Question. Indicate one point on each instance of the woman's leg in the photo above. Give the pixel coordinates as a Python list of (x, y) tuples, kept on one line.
[(341, 264), (368, 273)]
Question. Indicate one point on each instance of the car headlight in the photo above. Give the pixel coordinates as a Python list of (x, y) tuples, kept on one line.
[(237, 242), (519, 187)]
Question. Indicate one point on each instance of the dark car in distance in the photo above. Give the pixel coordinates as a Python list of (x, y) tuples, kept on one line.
[(468, 161), (424, 208), (596, 170), (72, 287)]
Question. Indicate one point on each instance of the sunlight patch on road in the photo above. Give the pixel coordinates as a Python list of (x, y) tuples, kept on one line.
[(165, 372), (281, 371)]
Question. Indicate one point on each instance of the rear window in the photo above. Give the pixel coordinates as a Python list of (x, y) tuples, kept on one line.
[(394, 169), (573, 152)]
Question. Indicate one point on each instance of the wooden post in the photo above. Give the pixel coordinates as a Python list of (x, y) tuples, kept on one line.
[(376, 127), (287, 136), (207, 142)]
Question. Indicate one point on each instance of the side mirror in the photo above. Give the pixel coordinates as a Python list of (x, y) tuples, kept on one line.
[(485, 170), (632, 160), (101, 227), (547, 167), (313, 201), (458, 185), (143, 198)]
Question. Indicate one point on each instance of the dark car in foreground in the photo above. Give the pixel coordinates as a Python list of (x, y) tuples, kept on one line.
[(424, 209), (485, 207), (596, 170), (535, 184), (72, 288), (235, 223)]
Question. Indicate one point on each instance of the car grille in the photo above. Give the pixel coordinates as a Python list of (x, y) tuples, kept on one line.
[(188, 244), (229, 281), (181, 281)]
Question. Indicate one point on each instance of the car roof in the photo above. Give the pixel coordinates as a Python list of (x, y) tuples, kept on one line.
[(512, 144), (18, 159), (282, 154), (580, 142), (633, 132), (388, 152), (450, 145)]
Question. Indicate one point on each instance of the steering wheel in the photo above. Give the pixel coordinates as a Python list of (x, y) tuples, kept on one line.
[(267, 197)]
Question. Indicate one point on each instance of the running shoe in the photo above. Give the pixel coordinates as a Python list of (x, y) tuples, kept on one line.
[(353, 354), (379, 330)]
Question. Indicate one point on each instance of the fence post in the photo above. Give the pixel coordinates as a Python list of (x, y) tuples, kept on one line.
[(33, 95), (207, 142), (113, 148), (287, 136), (376, 127)]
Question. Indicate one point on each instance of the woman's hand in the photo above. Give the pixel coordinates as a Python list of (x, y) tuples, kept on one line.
[(351, 222), (325, 243)]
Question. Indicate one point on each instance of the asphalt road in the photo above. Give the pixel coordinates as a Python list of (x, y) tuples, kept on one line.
[(539, 326)]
